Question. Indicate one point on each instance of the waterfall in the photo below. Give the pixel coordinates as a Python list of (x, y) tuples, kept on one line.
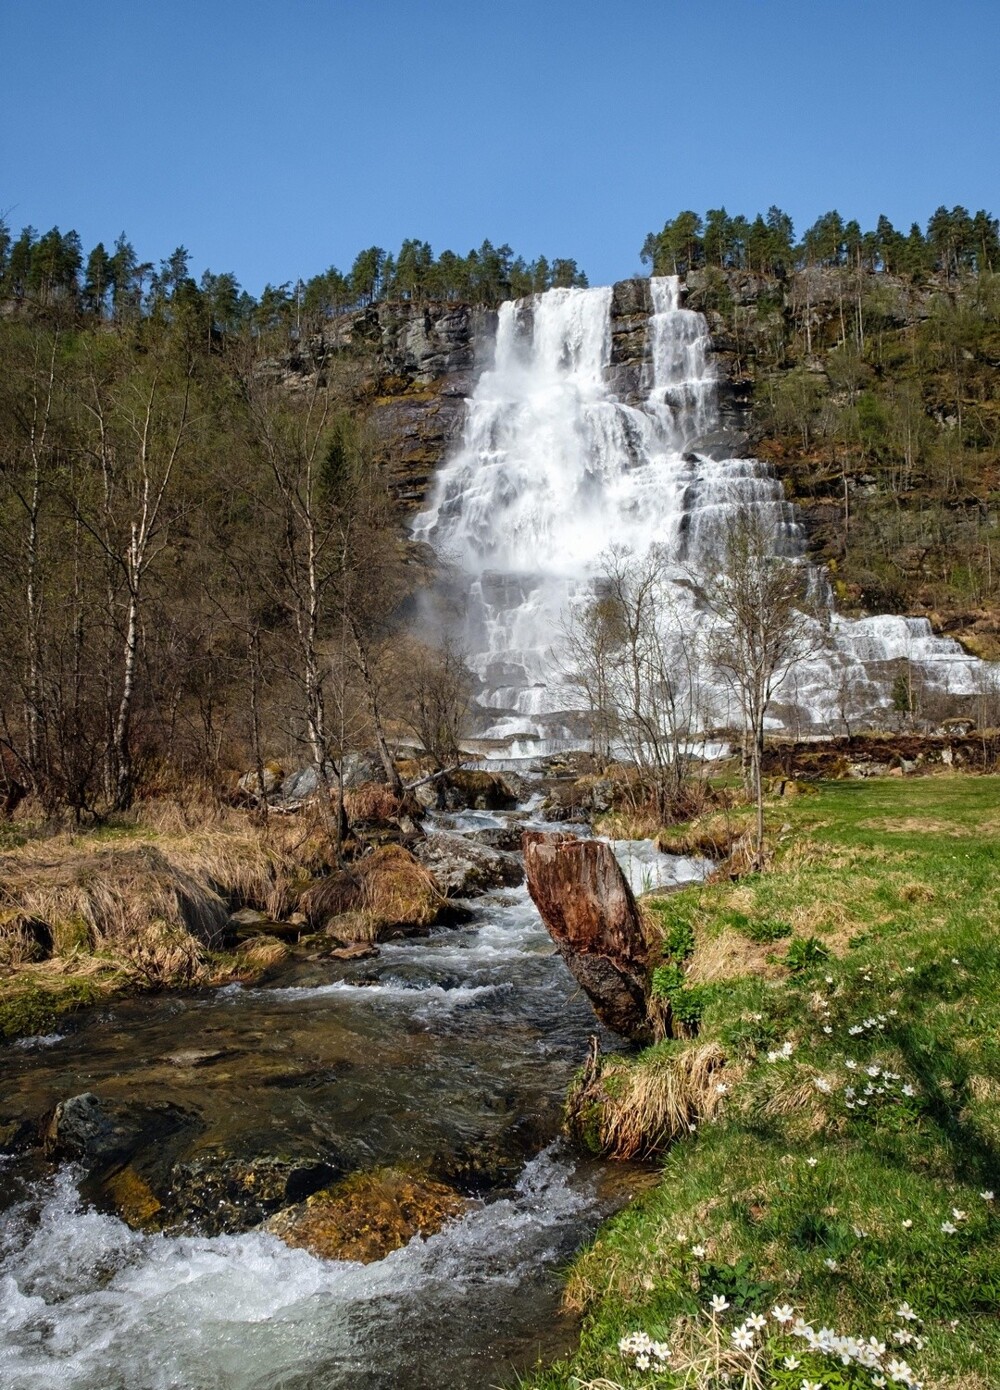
[(554, 467)]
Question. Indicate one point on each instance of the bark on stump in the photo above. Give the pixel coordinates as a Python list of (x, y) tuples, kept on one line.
[(591, 915)]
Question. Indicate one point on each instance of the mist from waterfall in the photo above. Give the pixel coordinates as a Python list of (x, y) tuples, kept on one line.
[(554, 468)]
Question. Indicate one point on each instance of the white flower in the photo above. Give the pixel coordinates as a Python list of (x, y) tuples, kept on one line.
[(831, 1263), (829, 979), (827, 1029), (722, 1088), (791, 1363), (907, 1224), (850, 1064), (860, 1232), (902, 1337), (812, 1385), (698, 1251), (800, 1328), (743, 1338), (948, 1229), (987, 1196), (911, 970), (756, 1321), (719, 1303), (821, 1084), (875, 1347), (812, 1162), (642, 1361), (873, 1071), (955, 960), (958, 1215), (660, 1350), (879, 1381), (900, 1372), (783, 1313), (907, 1090)]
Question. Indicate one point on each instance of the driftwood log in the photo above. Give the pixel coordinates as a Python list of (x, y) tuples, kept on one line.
[(591, 915)]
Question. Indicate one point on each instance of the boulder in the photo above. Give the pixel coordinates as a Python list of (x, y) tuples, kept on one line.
[(591, 915), (367, 1216), (462, 869)]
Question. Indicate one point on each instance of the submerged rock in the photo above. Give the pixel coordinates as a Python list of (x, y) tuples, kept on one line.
[(218, 1193), (102, 1134), (591, 915), (367, 1216)]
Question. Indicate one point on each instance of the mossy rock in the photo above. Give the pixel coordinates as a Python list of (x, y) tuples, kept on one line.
[(367, 1216)]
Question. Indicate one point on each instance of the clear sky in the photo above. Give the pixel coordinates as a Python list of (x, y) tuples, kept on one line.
[(275, 139)]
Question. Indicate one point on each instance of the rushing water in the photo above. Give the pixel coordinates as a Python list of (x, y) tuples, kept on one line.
[(554, 468), (450, 1053)]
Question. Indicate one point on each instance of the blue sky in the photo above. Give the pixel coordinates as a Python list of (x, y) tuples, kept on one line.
[(276, 139)]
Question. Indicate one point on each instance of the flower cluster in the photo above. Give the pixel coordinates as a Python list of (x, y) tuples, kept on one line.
[(877, 1023), (880, 1087), (756, 1335), (783, 1053), (644, 1351)]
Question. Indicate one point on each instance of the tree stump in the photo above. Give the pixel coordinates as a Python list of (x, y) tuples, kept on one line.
[(591, 915)]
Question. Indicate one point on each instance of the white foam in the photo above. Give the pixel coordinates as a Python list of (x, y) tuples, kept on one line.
[(88, 1304)]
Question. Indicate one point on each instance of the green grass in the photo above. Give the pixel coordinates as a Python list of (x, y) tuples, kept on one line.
[(899, 882)]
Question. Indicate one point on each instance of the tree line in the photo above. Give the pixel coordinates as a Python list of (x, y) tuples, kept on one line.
[(199, 570), (955, 241), (50, 270)]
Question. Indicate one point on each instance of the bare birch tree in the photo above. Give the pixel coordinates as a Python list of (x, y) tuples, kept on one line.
[(760, 630)]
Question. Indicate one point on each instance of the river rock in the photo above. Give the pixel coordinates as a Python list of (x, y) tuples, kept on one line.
[(462, 869), (356, 950), (102, 1134), (591, 915), (367, 1216), (218, 1193), (195, 1057), (503, 837)]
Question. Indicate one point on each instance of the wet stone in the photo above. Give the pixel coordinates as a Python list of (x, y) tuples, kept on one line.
[(367, 1216)]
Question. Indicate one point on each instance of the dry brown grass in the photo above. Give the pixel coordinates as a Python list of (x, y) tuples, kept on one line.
[(371, 801), (635, 1109), (252, 962), (397, 890), (917, 825), (387, 888), (152, 900), (729, 955)]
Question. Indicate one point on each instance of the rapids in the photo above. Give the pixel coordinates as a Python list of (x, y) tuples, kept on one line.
[(450, 1054), (554, 468)]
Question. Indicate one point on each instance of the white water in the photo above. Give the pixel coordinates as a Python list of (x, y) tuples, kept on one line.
[(85, 1302), (554, 468)]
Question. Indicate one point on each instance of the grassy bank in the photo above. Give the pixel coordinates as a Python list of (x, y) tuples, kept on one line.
[(136, 905), (838, 1182)]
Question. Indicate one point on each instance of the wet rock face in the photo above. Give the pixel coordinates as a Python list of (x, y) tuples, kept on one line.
[(591, 915)]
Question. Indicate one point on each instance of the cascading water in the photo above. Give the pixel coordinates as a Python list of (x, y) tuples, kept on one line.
[(555, 467)]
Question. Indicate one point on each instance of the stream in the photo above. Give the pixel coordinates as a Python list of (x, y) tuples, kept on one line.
[(449, 1053)]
